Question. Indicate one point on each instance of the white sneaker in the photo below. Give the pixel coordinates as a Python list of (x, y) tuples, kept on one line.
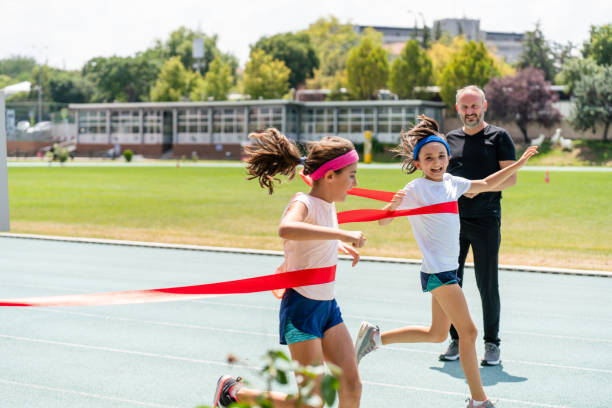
[(365, 340)]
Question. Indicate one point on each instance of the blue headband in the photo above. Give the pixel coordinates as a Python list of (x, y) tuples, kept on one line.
[(429, 139)]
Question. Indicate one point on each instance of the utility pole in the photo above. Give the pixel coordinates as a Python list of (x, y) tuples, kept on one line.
[(4, 202)]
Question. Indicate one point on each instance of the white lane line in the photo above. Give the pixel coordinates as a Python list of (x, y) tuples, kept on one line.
[(218, 363), (531, 363), (85, 394), (429, 390), (124, 351), (252, 333)]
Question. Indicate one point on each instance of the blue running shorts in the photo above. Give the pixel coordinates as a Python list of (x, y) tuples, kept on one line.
[(431, 281), (303, 319)]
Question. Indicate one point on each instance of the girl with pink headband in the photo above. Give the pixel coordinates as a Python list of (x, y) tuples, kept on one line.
[(437, 235), (310, 319)]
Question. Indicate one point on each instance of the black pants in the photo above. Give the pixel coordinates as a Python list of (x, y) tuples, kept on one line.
[(483, 234)]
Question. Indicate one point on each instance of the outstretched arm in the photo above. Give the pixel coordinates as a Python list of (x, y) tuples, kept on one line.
[(392, 206), (293, 227), (495, 180)]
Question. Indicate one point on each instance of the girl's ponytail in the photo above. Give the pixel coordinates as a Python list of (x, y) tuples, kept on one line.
[(425, 127), (270, 154)]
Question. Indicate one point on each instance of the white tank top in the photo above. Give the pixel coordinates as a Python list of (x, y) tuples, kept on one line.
[(313, 253)]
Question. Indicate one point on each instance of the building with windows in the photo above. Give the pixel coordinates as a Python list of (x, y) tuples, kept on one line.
[(220, 129), (508, 45)]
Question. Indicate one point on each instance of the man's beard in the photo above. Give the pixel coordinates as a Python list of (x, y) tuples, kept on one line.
[(474, 124)]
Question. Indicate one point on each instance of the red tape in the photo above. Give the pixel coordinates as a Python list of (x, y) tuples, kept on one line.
[(282, 280), (273, 282)]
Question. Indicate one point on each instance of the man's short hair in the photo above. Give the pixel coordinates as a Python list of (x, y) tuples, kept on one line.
[(470, 88)]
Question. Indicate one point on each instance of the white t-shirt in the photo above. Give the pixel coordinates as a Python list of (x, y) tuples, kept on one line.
[(437, 235), (313, 253)]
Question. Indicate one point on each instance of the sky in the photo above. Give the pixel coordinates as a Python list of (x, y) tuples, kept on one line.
[(67, 33)]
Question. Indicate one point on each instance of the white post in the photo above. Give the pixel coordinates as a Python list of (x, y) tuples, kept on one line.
[(4, 202)]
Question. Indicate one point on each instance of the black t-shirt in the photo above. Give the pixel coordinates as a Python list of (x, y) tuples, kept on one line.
[(475, 157)]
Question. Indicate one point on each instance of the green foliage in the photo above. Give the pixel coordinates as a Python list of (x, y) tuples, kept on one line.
[(174, 82), (127, 155), (413, 68), (278, 367), (216, 84), (574, 70), (264, 77), (180, 44), (367, 69), (295, 50), (6, 80), (17, 67), (537, 53), (122, 79), (593, 101), (70, 87), (472, 65), (599, 46), (332, 42)]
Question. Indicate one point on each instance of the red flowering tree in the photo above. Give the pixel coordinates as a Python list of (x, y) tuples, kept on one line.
[(523, 98)]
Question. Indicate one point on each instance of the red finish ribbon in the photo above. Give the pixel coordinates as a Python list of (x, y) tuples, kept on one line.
[(373, 215), (282, 280)]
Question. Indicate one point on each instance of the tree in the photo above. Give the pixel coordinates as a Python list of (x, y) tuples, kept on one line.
[(216, 84), (70, 87), (180, 44), (295, 50), (426, 37), (537, 53), (174, 82), (593, 101), (413, 68), (574, 70), (122, 79), (17, 67), (523, 98), (367, 69), (264, 77), (471, 66), (332, 42), (599, 46)]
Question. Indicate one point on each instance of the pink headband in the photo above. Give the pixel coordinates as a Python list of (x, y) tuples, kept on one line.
[(335, 164)]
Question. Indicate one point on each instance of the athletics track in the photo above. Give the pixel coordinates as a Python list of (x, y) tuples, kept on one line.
[(556, 331)]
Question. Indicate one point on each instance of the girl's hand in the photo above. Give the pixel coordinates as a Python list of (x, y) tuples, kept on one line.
[(349, 250), (396, 201), (355, 237), (531, 150)]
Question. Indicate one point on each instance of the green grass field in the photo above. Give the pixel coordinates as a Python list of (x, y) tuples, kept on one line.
[(565, 223)]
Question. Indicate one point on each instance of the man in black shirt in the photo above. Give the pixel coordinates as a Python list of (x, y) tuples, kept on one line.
[(479, 149)]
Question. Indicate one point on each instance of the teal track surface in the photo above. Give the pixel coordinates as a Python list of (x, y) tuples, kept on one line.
[(556, 332)]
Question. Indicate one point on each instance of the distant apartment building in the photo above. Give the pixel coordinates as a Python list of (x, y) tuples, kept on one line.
[(508, 45)]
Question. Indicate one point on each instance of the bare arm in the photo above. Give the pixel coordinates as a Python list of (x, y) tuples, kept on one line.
[(495, 180), (293, 227), (392, 206)]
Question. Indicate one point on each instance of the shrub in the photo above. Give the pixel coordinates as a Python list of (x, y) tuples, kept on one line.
[(127, 155)]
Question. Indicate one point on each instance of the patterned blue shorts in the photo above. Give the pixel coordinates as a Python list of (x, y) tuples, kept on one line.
[(431, 281)]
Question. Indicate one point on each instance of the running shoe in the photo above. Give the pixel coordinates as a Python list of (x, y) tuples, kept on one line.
[(491, 356), (487, 404), (365, 340), (452, 352), (225, 394)]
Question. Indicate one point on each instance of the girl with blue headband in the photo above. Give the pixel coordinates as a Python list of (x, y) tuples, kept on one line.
[(437, 236), (310, 320)]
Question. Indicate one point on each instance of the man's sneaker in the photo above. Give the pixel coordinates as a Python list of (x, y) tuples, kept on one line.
[(487, 404), (365, 340), (452, 352), (491, 356), (225, 394)]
